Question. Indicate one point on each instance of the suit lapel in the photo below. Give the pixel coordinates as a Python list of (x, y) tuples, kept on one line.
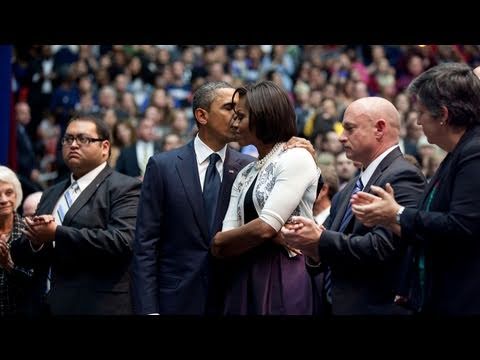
[(386, 162), (342, 207), (52, 198), (186, 165), (395, 153), (86, 195)]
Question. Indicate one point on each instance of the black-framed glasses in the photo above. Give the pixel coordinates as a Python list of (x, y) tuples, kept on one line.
[(81, 139)]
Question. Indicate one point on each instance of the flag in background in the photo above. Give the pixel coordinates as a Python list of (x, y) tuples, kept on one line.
[(7, 127)]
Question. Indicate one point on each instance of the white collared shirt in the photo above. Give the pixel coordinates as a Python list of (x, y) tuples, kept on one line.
[(368, 172), (82, 182), (143, 148), (322, 216), (203, 152)]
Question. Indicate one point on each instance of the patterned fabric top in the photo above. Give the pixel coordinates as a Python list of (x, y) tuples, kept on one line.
[(286, 186), (9, 280)]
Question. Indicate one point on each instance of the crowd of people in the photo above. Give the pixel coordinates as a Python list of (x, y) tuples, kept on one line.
[(242, 180), (125, 84)]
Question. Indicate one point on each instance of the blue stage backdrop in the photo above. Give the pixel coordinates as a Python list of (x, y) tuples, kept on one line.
[(5, 102)]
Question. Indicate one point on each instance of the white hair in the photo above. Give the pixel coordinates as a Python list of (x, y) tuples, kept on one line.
[(9, 177)]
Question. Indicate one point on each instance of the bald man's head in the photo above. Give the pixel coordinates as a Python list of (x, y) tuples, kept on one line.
[(476, 71), (378, 108), (30, 203), (371, 126)]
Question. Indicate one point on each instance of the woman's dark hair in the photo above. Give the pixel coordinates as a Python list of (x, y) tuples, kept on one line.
[(453, 85), (271, 112)]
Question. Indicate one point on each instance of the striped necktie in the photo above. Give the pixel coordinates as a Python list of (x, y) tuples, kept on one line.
[(67, 200)]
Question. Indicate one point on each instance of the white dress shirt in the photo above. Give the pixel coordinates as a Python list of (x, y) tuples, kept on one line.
[(203, 152)]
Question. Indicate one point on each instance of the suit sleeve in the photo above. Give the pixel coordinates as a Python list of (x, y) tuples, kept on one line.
[(21, 250), (460, 222), (120, 165), (147, 238), (26, 160), (377, 244), (111, 242)]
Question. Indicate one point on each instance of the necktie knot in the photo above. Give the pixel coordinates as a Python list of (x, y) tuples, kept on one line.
[(74, 187), (358, 185), (213, 158), (67, 200)]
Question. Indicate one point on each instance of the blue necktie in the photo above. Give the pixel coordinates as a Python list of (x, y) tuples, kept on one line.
[(67, 200), (347, 216), (211, 188)]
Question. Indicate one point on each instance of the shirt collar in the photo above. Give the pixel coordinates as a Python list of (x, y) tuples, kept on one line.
[(368, 172), (86, 179), (203, 151)]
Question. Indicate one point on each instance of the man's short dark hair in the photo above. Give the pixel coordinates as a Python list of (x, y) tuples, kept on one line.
[(206, 93), (101, 126)]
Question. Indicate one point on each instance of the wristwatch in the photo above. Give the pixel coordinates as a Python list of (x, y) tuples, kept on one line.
[(399, 212)]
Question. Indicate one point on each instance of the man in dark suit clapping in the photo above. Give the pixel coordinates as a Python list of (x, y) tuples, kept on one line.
[(81, 237), (362, 265)]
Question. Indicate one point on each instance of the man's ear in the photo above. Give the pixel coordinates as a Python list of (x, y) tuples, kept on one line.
[(380, 126), (324, 190), (201, 115), (444, 115)]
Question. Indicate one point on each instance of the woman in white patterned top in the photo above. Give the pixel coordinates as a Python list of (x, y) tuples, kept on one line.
[(264, 276)]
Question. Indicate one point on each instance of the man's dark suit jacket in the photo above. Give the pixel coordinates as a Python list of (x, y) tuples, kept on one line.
[(127, 162), (365, 262), (26, 161), (172, 266), (93, 247), (449, 234)]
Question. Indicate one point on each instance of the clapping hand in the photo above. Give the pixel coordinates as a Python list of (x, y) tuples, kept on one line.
[(40, 229), (379, 209), (5, 257)]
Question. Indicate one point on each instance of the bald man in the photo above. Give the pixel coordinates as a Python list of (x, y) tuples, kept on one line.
[(361, 265), (476, 71), (30, 203)]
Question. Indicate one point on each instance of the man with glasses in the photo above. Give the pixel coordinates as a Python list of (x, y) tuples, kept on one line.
[(81, 237)]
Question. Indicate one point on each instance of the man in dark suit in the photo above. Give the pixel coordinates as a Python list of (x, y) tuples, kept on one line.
[(173, 271), (85, 246), (361, 264), (28, 169), (133, 159)]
